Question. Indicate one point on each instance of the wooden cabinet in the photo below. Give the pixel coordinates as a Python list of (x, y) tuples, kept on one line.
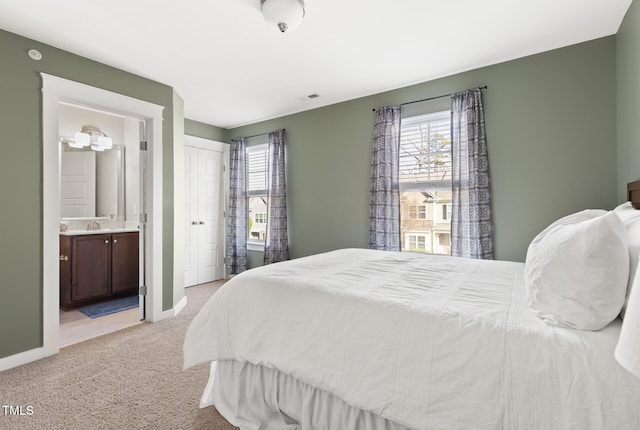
[(97, 267)]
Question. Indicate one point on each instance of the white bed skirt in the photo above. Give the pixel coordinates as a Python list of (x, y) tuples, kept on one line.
[(259, 398)]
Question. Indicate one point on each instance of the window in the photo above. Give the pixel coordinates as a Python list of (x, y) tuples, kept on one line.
[(418, 212), (257, 171), (443, 211), (425, 182), (417, 242)]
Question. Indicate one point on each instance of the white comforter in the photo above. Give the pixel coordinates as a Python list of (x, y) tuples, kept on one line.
[(429, 342)]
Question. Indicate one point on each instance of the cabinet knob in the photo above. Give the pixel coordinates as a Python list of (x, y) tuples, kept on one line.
[(201, 223), (106, 241), (194, 222), (64, 258), (115, 240)]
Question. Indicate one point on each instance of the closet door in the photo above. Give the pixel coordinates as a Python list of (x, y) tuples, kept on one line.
[(204, 220), (210, 206), (190, 216)]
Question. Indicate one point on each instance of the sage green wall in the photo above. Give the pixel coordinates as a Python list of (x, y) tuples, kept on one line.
[(21, 176), (551, 127), (205, 131), (628, 112)]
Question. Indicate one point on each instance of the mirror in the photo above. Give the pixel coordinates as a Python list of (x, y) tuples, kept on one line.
[(99, 183), (92, 183)]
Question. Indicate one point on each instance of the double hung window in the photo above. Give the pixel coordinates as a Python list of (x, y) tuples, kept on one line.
[(425, 183), (257, 176)]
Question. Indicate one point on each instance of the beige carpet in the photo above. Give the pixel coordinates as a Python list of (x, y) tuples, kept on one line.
[(131, 379)]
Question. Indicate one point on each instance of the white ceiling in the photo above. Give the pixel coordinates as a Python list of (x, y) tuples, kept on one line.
[(231, 69)]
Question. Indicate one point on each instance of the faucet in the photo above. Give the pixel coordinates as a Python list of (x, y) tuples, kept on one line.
[(95, 226)]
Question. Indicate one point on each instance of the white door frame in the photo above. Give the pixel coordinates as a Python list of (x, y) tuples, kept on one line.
[(54, 91)]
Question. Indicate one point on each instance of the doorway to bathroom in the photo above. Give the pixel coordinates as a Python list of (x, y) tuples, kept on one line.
[(59, 92), (100, 201)]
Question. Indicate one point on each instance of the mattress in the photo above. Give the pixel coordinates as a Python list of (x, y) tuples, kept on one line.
[(427, 342)]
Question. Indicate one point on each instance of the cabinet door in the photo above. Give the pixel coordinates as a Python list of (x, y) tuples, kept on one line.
[(65, 271), (90, 266), (125, 262)]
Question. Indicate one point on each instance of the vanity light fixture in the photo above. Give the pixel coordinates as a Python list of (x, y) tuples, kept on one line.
[(90, 136), (285, 14), (97, 138)]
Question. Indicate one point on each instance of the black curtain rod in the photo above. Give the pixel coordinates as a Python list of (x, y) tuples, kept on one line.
[(255, 135), (432, 98)]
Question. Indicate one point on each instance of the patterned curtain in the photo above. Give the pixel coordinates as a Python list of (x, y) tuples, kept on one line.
[(471, 224), (237, 219), (276, 242), (384, 196)]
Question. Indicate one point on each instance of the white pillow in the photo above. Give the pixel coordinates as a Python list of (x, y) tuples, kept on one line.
[(631, 219), (577, 269)]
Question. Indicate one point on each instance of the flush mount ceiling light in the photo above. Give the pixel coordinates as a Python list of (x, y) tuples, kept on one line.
[(285, 14)]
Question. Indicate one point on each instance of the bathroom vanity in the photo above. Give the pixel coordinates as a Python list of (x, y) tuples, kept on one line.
[(97, 266)]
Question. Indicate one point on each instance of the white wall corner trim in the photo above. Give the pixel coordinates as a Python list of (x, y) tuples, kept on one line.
[(54, 91), (176, 309)]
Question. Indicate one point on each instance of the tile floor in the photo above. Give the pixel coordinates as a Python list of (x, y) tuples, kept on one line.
[(76, 327)]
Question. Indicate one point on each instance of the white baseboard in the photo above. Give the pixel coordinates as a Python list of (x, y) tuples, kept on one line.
[(175, 310), (180, 306), (21, 358)]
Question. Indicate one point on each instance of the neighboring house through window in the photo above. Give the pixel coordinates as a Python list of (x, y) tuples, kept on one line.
[(425, 183)]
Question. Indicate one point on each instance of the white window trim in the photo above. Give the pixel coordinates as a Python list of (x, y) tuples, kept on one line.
[(255, 245)]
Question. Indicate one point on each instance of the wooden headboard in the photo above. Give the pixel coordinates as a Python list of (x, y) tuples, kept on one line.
[(633, 193)]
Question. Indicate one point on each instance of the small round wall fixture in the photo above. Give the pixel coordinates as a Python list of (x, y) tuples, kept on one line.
[(35, 54), (283, 14)]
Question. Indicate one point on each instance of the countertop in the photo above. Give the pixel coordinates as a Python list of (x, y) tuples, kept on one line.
[(103, 231)]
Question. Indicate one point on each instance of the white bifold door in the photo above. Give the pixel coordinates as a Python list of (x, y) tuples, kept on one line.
[(204, 215)]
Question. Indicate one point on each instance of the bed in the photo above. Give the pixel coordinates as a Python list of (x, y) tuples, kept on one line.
[(362, 339)]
